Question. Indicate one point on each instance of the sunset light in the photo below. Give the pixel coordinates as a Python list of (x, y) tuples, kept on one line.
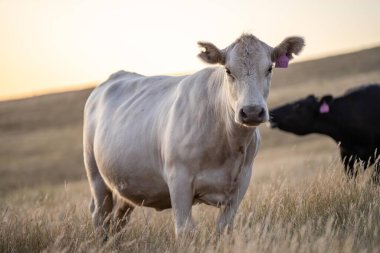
[(49, 45)]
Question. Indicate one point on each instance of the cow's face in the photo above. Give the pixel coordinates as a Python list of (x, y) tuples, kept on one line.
[(248, 64), (297, 117)]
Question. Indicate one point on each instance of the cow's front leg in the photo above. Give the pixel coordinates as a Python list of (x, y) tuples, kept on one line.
[(181, 196), (227, 212)]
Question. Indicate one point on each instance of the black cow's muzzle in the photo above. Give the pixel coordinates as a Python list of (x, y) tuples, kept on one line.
[(273, 124)]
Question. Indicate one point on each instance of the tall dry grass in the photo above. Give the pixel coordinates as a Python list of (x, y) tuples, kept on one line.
[(325, 213)]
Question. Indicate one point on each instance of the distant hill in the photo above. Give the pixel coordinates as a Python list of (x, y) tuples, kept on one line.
[(45, 111), (333, 67), (41, 137)]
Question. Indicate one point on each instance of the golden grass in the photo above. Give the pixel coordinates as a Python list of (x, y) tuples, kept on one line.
[(326, 213)]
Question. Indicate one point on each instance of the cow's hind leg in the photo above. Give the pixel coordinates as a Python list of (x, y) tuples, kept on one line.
[(101, 202), (103, 207), (122, 213)]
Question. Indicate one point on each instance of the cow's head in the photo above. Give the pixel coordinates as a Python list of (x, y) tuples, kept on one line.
[(248, 64), (299, 117)]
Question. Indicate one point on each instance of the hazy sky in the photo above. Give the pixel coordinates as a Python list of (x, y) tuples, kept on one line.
[(47, 44)]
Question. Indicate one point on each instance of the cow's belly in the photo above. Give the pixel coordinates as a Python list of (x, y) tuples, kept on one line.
[(159, 197), (140, 186), (213, 199), (159, 200), (211, 187)]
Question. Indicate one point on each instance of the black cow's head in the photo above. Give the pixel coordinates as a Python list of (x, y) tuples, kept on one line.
[(299, 117)]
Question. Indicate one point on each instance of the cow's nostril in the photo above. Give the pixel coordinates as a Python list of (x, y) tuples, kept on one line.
[(243, 115), (262, 113)]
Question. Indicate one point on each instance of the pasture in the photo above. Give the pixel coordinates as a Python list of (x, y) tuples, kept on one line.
[(298, 201)]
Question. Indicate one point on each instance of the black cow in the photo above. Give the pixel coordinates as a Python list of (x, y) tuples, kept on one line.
[(353, 120)]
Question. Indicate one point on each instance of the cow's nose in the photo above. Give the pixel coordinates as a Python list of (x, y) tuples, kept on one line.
[(252, 115)]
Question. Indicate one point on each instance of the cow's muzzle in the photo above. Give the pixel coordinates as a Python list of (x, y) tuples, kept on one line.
[(252, 115)]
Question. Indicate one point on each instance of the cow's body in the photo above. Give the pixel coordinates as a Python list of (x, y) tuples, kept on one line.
[(144, 124), (171, 142), (352, 120)]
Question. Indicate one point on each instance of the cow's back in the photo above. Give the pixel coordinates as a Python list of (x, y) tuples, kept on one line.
[(359, 109), (125, 88)]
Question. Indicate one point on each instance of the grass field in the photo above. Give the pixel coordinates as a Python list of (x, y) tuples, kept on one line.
[(299, 199)]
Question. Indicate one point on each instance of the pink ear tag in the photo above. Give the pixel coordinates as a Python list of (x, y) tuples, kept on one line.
[(282, 62), (325, 108)]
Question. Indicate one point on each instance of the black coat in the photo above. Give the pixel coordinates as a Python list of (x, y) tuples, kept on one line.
[(352, 120)]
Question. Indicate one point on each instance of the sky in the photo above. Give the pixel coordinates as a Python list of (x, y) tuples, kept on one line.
[(51, 45)]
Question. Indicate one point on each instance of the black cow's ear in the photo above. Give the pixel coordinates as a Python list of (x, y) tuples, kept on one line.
[(327, 99)]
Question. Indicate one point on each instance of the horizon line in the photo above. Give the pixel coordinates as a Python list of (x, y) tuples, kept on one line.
[(92, 84)]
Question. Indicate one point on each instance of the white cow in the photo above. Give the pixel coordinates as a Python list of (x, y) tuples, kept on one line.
[(171, 142)]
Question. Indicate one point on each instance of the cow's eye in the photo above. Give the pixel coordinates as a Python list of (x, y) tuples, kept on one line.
[(269, 70), (228, 71)]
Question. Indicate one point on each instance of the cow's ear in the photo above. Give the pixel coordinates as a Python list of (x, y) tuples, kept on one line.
[(211, 54), (327, 99), (288, 47)]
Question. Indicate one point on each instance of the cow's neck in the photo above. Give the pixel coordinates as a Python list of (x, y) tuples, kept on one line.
[(324, 125)]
